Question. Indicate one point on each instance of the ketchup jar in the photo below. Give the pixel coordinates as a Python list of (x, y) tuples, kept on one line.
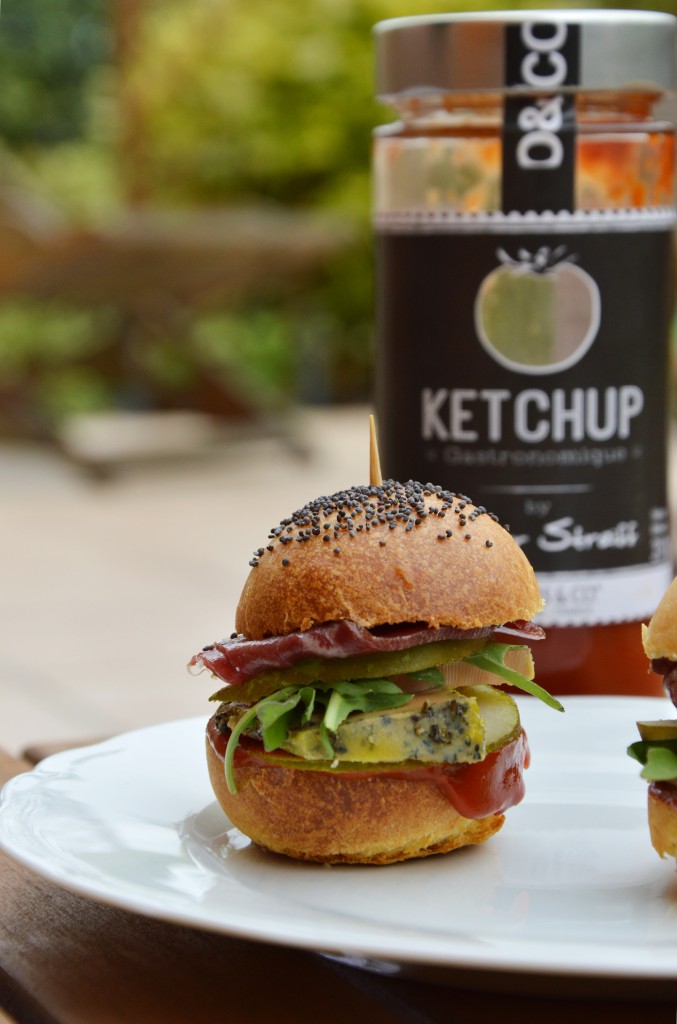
[(524, 213)]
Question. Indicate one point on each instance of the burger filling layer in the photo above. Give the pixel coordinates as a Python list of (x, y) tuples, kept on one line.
[(447, 714), (442, 726), (656, 751)]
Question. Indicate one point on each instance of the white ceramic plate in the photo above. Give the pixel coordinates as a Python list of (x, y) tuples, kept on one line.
[(570, 886)]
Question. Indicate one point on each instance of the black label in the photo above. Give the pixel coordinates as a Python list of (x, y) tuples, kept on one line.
[(539, 154), (528, 372), (542, 56), (539, 128)]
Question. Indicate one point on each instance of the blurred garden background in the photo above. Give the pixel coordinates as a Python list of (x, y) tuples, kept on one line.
[(184, 205)]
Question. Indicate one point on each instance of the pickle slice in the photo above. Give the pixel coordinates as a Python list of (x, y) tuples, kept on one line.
[(661, 729), (499, 711), (381, 665)]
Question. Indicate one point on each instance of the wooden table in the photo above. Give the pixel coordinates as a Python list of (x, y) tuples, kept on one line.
[(68, 960)]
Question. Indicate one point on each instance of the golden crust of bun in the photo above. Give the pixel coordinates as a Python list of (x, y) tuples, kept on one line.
[(443, 562), (660, 636), (305, 815), (663, 818)]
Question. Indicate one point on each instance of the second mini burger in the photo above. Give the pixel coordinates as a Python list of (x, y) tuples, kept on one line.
[(657, 749), (362, 712)]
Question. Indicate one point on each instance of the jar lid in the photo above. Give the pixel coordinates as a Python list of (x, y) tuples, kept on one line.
[(532, 51)]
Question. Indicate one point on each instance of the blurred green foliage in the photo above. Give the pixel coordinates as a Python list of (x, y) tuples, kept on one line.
[(48, 52), (218, 102), (269, 98)]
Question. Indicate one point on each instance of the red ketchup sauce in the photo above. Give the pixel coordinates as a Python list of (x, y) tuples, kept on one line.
[(665, 791), (475, 790)]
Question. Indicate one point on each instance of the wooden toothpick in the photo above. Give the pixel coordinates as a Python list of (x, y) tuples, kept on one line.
[(375, 477)]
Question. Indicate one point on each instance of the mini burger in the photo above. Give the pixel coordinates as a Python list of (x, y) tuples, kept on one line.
[(362, 712), (657, 748)]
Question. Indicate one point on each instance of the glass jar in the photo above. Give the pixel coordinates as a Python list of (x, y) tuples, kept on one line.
[(524, 217)]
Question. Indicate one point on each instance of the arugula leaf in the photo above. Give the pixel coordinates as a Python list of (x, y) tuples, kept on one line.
[(431, 676), (276, 715), (247, 719), (491, 659), (659, 758), (281, 712), (361, 695)]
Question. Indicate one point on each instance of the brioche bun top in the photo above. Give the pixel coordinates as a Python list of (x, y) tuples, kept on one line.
[(395, 553), (660, 636)]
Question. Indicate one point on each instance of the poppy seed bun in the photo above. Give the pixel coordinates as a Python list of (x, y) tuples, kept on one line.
[(395, 553), (313, 816), (660, 643), (660, 636)]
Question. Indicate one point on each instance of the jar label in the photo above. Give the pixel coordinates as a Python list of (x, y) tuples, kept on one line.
[(539, 154), (539, 123), (542, 55), (523, 364)]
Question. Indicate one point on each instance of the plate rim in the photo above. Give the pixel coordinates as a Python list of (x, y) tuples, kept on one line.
[(306, 936)]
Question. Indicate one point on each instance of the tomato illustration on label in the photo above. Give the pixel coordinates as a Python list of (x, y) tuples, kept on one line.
[(539, 313)]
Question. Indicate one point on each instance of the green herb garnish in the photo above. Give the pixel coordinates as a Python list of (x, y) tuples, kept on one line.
[(659, 758), (292, 707), (492, 659)]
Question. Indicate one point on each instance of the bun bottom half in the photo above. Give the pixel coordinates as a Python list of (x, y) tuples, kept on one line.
[(313, 816), (663, 818)]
